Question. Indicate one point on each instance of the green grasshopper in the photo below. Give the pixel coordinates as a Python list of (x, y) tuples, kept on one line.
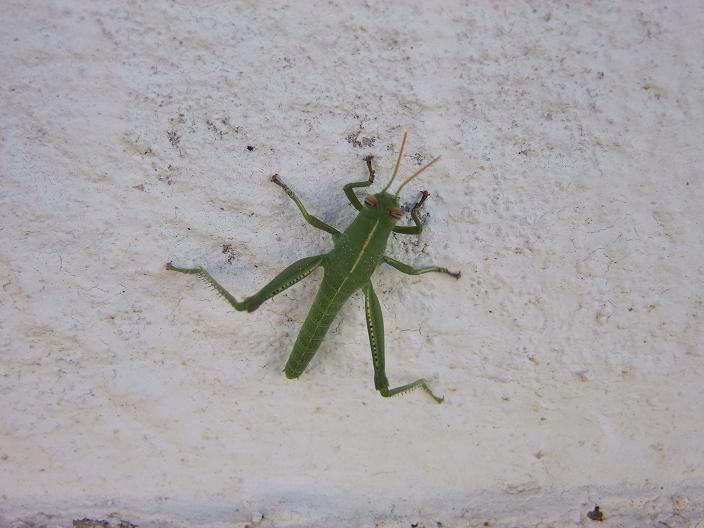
[(357, 252)]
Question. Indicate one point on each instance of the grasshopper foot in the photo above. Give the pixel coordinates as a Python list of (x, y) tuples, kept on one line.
[(370, 168), (418, 384), (171, 267)]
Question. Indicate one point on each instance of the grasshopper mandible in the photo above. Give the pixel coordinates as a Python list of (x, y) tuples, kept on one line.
[(357, 252)]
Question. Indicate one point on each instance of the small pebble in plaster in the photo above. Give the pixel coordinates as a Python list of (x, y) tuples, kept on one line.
[(596, 514), (658, 447), (250, 148), (582, 375), (657, 91), (603, 314), (136, 146), (680, 503)]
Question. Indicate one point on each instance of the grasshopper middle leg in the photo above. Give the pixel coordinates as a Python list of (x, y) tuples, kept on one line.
[(410, 270), (312, 220), (375, 327), (350, 187)]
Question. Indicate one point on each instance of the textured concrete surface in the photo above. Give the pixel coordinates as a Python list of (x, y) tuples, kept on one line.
[(570, 195)]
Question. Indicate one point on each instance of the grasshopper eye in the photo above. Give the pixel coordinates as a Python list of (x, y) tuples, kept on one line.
[(371, 201), (395, 213)]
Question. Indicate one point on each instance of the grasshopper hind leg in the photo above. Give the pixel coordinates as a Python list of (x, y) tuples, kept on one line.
[(375, 327), (287, 278), (210, 281)]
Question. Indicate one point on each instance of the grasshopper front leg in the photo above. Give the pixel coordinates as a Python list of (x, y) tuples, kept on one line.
[(349, 188), (416, 229), (375, 327), (287, 278)]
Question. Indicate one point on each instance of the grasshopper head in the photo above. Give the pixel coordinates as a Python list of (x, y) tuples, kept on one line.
[(388, 204), (384, 206)]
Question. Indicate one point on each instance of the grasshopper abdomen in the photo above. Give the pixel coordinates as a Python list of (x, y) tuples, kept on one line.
[(326, 305)]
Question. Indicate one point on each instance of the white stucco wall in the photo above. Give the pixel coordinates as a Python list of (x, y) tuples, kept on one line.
[(569, 194)]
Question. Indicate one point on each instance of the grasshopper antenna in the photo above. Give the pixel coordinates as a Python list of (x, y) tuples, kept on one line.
[(416, 174), (398, 161)]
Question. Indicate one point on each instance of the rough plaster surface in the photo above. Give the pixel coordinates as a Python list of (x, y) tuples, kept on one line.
[(570, 195)]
